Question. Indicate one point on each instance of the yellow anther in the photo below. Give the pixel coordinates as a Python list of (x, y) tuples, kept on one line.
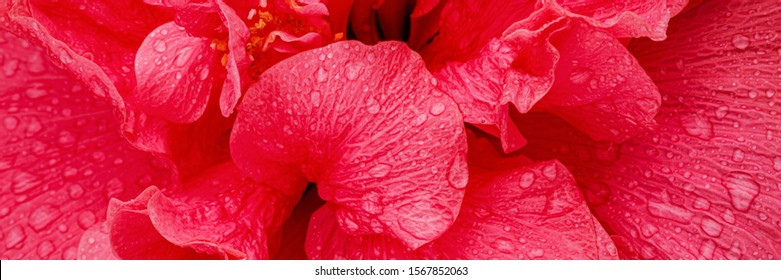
[(265, 16), (338, 36), (224, 59), (220, 45)]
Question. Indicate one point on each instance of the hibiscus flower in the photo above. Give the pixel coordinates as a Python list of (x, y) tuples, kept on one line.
[(457, 129)]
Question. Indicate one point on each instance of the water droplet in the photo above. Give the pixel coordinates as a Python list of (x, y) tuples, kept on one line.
[(86, 219), (10, 67), (777, 163), (352, 70), (698, 126), (536, 253), (380, 170), (458, 174), (669, 211), (43, 216), (321, 75), (75, 190), (706, 248), (580, 76), (34, 93), (740, 42), (178, 75), (203, 74), (317, 97), (503, 245), (701, 203), (527, 179), (183, 56), (648, 230), (721, 112), (160, 46), (23, 182), (10, 122), (45, 249), (728, 216), (742, 189), (437, 108), (419, 120), (711, 227), (550, 171), (372, 106), (14, 238), (738, 155)]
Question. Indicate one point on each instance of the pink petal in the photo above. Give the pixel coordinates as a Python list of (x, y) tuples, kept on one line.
[(373, 133), (625, 18), (599, 86), (467, 26), (95, 244), (705, 185), (293, 234), (96, 40), (529, 212), (238, 61), (62, 157), (222, 214), (174, 72), (516, 69), (327, 241)]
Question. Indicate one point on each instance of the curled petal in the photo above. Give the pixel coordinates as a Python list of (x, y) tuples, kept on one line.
[(174, 72), (623, 18), (366, 125), (220, 215), (704, 185), (528, 212), (599, 86)]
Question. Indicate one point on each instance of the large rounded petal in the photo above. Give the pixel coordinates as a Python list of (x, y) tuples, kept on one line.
[(366, 125), (221, 214), (62, 158), (705, 184), (175, 73)]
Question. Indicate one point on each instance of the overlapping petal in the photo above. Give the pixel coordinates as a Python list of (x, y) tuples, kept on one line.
[(62, 158), (221, 214), (367, 125), (704, 184), (510, 211), (175, 74)]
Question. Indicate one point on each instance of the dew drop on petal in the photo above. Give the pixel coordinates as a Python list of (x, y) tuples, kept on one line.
[(711, 227), (527, 179), (742, 189), (380, 170), (740, 42), (437, 108), (160, 46), (43, 216)]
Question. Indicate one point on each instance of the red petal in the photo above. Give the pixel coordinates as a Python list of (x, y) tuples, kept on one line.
[(62, 157), (327, 241), (517, 68), (529, 212), (374, 134), (96, 40), (238, 61), (628, 18), (599, 87), (467, 26), (174, 74), (95, 244), (705, 184), (222, 214), (294, 231)]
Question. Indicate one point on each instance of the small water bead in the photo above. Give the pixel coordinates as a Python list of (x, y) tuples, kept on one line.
[(740, 41)]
